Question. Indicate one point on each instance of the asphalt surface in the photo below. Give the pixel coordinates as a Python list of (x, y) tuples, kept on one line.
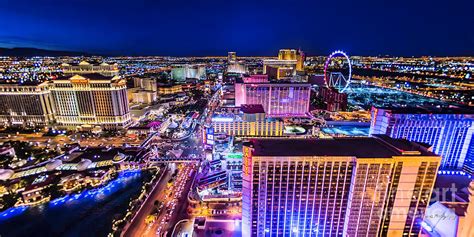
[(173, 196), (164, 224), (138, 227)]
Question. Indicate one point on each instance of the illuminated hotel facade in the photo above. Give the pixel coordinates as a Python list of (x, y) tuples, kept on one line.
[(285, 67), (91, 99), (277, 99), (293, 54), (449, 131), (247, 121), (300, 58), (26, 105), (336, 187), (237, 68), (287, 54), (280, 69), (169, 89), (179, 73)]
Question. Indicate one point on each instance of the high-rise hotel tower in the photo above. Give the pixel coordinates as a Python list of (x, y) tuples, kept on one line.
[(449, 131), (91, 99), (375, 186), (277, 99), (26, 105)]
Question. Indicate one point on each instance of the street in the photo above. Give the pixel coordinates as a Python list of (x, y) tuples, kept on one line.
[(171, 190), (138, 227), (168, 202)]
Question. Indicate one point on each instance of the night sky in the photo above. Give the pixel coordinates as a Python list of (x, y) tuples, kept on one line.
[(251, 28)]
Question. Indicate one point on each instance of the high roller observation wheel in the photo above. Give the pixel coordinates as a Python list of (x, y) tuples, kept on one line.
[(328, 60)]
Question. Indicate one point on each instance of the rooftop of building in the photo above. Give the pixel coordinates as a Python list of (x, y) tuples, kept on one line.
[(288, 50), (255, 75), (281, 83), (93, 154), (225, 117), (252, 109), (90, 76), (428, 110), (279, 60), (21, 82), (85, 63), (380, 146), (96, 154), (45, 181), (219, 228)]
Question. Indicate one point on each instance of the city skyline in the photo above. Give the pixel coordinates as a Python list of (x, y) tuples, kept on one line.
[(237, 146), (236, 118), (184, 28)]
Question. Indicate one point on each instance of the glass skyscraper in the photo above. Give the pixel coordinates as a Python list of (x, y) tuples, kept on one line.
[(448, 131)]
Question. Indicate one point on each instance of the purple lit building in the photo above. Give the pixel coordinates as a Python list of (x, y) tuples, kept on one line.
[(277, 99), (255, 79), (449, 130)]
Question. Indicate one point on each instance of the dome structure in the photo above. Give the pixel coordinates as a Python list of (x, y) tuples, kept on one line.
[(5, 174), (83, 164), (52, 165)]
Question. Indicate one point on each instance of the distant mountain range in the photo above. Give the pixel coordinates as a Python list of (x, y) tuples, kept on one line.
[(31, 52)]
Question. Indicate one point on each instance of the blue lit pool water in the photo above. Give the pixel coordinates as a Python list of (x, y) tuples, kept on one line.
[(89, 213), (347, 130)]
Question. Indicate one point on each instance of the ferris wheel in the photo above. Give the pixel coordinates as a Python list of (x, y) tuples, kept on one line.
[(334, 78)]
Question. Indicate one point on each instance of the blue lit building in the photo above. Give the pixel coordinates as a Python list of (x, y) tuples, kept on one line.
[(469, 162), (448, 131)]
